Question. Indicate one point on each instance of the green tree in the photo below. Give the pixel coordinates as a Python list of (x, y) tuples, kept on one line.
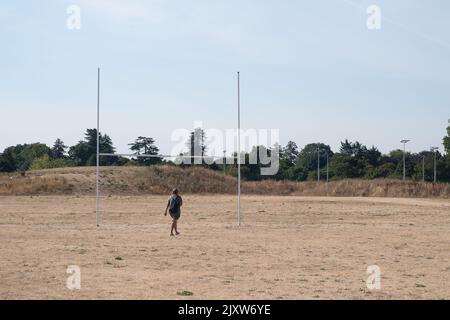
[(297, 173), (252, 168), (20, 157), (145, 146), (382, 171), (425, 158), (373, 156), (58, 150), (252, 164), (344, 166), (81, 153), (289, 154), (10, 159), (346, 148), (31, 152), (396, 157), (355, 149), (84, 153), (443, 169), (45, 162), (446, 141), (307, 157), (443, 165), (197, 145)]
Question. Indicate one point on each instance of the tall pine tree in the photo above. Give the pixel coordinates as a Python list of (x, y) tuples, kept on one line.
[(58, 150), (145, 146)]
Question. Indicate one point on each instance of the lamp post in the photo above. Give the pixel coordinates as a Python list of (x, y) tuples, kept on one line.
[(224, 162), (404, 141), (434, 149), (318, 163), (327, 166), (423, 168)]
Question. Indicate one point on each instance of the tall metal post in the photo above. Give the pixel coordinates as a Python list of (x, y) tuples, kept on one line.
[(404, 141), (435, 175), (318, 164), (97, 174), (327, 166), (404, 162), (239, 149), (224, 163), (434, 149), (423, 168)]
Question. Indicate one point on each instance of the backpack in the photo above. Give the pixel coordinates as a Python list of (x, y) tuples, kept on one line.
[(174, 204)]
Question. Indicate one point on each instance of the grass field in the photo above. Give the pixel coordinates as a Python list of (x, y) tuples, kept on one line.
[(287, 248)]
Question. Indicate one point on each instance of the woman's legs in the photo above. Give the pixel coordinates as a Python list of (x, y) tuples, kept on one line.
[(174, 227)]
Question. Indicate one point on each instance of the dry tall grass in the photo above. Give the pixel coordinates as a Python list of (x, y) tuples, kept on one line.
[(161, 180)]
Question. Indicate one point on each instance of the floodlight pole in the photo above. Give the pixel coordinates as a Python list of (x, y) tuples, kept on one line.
[(327, 166), (434, 149), (404, 141), (224, 163), (318, 164), (423, 168), (239, 149), (97, 173), (435, 176)]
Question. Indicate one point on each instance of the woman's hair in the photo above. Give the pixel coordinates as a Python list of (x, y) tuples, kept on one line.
[(175, 191)]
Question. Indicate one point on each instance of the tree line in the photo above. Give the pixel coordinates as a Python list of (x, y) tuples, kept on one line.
[(313, 161)]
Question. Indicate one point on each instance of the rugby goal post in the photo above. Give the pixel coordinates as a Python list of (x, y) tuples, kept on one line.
[(99, 154)]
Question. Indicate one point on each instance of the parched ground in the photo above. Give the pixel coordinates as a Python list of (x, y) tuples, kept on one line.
[(287, 248)]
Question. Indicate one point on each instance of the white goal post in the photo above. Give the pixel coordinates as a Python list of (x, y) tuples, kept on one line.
[(99, 154)]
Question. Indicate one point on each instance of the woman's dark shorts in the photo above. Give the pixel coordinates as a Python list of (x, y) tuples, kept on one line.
[(175, 216)]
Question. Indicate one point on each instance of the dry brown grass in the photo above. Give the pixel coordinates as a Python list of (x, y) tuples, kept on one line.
[(351, 188), (161, 179), (286, 248)]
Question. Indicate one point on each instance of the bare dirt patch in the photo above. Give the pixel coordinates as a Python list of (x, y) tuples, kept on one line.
[(287, 248)]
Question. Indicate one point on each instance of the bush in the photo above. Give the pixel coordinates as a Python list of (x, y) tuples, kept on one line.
[(45, 162), (131, 163), (383, 171)]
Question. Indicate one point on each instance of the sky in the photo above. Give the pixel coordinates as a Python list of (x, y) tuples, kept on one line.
[(310, 68)]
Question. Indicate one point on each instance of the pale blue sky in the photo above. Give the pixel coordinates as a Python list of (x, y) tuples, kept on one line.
[(309, 68)]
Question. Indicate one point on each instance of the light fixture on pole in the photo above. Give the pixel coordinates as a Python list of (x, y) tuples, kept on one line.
[(404, 141), (434, 149)]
